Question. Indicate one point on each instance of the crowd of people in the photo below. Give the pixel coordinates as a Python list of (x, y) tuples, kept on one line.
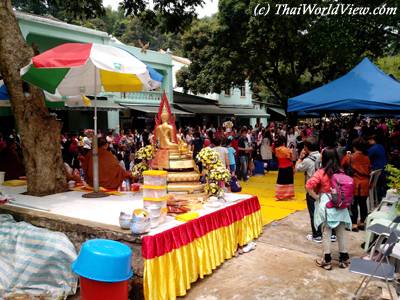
[(356, 146), (277, 146)]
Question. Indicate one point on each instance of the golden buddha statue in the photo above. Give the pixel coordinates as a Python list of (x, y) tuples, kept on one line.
[(165, 132), (174, 155)]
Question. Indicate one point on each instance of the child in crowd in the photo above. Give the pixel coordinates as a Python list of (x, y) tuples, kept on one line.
[(231, 156)]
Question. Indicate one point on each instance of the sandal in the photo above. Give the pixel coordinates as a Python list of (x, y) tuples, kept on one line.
[(323, 264), (344, 260)]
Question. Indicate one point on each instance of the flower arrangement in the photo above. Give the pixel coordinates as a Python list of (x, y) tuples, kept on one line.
[(216, 174), (393, 178), (219, 174), (228, 124), (209, 158), (212, 188), (145, 153), (138, 169)]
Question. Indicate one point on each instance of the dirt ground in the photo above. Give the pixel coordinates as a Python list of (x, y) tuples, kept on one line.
[(283, 267)]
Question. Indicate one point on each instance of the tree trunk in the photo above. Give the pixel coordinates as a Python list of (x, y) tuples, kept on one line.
[(40, 132)]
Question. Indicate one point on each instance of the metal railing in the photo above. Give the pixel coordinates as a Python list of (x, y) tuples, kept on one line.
[(142, 96), (138, 97)]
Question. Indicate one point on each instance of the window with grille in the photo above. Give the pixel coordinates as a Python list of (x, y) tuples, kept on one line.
[(243, 91)]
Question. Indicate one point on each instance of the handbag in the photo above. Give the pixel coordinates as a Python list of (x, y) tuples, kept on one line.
[(235, 186)]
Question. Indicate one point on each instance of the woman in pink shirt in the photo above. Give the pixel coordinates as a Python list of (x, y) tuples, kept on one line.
[(319, 187)]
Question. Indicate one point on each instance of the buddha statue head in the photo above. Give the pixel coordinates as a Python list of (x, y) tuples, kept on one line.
[(164, 115)]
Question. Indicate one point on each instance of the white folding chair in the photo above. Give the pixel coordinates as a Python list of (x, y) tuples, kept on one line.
[(375, 269)]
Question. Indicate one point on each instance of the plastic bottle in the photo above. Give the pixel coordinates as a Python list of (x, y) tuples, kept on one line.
[(123, 186)]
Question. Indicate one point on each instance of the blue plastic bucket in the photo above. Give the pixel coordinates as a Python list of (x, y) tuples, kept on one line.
[(258, 167), (104, 260)]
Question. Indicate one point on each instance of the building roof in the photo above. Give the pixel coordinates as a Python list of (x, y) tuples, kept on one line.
[(180, 59), (191, 99), (279, 111), (153, 109), (57, 23), (211, 109), (101, 105)]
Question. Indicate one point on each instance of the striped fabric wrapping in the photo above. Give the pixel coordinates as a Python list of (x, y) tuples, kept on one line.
[(284, 191), (35, 261)]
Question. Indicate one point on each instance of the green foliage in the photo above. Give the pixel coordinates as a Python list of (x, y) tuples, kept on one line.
[(130, 30), (112, 22), (147, 26), (199, 46), (390, 65), (170, 15), (136, 30), (166, 15), (67, 11), (287, 55), (393, 178)]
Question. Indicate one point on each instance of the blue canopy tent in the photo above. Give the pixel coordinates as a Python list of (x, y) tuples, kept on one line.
[(364, 88)]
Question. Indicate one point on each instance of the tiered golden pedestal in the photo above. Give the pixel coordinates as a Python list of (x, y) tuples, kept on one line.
[(183, 176)]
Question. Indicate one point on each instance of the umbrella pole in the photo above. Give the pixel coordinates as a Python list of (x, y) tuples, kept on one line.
[(95, 150), (96, 193)]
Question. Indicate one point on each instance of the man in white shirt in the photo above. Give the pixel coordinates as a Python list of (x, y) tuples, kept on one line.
[(308, 162), (222, 152)]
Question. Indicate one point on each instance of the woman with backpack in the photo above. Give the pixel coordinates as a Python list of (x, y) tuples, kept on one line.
[(358, 166), (321, 186)]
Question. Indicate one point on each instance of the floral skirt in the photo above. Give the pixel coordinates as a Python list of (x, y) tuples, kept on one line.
[(284, 188)]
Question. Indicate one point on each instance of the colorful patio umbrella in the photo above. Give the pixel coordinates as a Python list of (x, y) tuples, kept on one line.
[(75, 69), (71, 69)]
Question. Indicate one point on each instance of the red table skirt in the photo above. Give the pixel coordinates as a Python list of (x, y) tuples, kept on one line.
[(175, 258)]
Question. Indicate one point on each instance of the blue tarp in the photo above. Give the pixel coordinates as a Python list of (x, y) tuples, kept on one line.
[(364, 88)]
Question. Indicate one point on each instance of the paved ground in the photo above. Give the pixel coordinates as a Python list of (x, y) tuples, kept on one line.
[(282, 267)]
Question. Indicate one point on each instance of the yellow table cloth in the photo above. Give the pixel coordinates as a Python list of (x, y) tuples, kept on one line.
[(175, 258)]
